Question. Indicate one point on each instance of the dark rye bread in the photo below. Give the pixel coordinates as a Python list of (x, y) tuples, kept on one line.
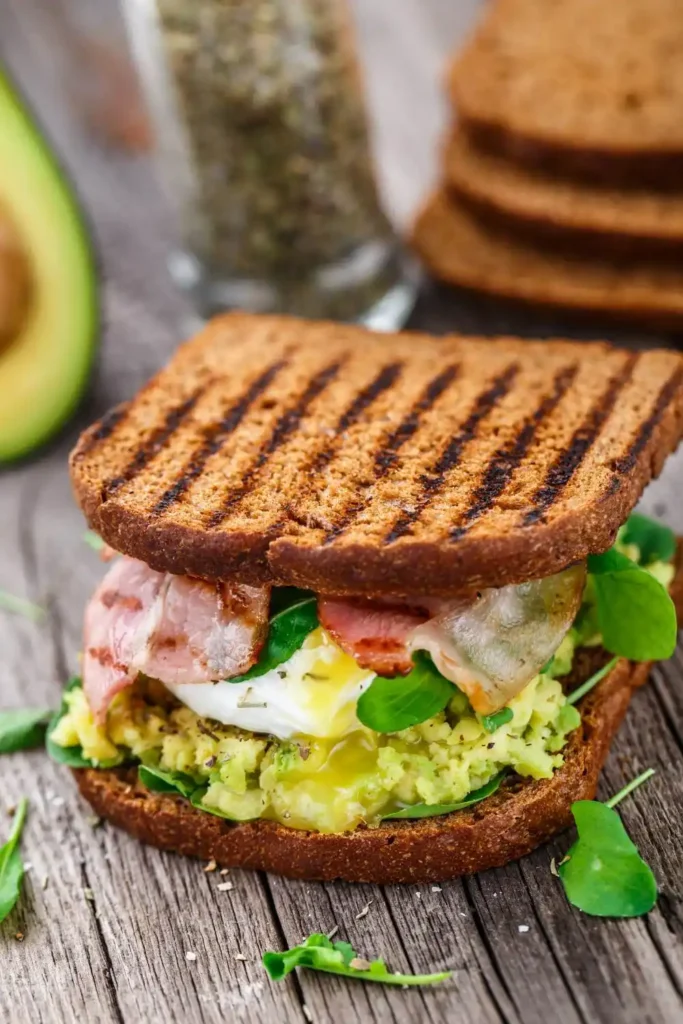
[(590, 82), (617, 220), (333, 458), (461, 248), (513, 822)]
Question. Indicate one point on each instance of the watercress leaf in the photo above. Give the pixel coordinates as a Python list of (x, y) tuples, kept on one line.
[(390, 705), (22, 728), (287, 631), (11, 864), (636, 615), (433, 810), (498, 718), (604, 875), (72, 757), (20, 606), (160, 781), (317, 953), (656, 542)]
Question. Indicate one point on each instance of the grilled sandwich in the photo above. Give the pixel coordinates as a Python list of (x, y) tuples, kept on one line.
[(357, 580)]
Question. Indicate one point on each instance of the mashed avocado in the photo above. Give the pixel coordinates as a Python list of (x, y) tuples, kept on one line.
[(322, 784)]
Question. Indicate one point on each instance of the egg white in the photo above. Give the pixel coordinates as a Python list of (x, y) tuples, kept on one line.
[(313, 694)]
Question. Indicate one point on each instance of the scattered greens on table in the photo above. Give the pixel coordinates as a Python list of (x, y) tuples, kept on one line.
[(603, 874), (20, 606), (22, 728), (11, 864), (318, 953)]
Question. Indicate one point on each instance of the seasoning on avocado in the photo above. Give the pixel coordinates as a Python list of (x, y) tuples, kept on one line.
[(276, 154)]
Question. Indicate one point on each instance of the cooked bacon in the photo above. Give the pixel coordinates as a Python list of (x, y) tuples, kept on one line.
[(376, 635), (172, 628), (489, 644)]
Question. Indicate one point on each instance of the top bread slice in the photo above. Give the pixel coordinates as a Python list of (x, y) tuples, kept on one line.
[(633, 220), (329, 457), (599, 78)]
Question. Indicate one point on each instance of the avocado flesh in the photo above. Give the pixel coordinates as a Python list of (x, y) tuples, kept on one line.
[(44, 368)]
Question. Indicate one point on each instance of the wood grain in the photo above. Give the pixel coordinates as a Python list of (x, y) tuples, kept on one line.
[(107, 939)]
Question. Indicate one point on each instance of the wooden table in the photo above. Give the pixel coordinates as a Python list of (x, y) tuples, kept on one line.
[(108, 924)]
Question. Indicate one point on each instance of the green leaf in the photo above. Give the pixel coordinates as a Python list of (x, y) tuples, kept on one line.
[(318, 953), (390, 705), (636, 615), (498, 718), (160, 781), (22, 729), (20, 606), (11, 864), (93, 540), (287, 631), (656, 542), (603, 874), (433, 810), (72, 757)]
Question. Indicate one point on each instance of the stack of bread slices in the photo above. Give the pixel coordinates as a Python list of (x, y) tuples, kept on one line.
[(563, 176)]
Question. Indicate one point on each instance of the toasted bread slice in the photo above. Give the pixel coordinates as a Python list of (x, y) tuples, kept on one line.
[(617, 220), (601, 81), (511, 823), (464, 250), (333, 458)]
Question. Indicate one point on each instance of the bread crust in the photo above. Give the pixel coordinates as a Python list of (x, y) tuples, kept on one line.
[(402, 497), (462, 250), (581, 217)]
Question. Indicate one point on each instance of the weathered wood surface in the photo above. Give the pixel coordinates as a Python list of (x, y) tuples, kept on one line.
[(120, 956)]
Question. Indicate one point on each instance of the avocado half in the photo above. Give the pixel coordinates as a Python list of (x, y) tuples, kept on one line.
[(45, 365)]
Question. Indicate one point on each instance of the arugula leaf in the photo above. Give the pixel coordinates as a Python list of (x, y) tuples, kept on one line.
[(498, 718), (603, 874), (433, 810), (636, 615), (11, 864), (160, 781), (20, 606), (22, 728), (592, 681), (319, 953), (390, 705), (72, 757), (287, 631), (656, 542)]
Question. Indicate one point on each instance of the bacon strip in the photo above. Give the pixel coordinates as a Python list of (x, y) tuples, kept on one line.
[(375, 635), (172, 628)]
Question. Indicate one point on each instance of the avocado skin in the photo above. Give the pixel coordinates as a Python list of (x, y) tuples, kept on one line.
[(46, 368)]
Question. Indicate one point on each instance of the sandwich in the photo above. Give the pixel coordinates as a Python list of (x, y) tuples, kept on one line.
[(374, 605)]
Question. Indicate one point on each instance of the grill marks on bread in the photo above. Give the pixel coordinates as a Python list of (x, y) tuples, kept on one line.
[(505, 460), (386, 458), (433, 480), (348, 462), (569, 460), (214, 437)]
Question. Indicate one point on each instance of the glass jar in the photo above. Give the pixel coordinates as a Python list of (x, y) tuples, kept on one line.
[(258, 113)]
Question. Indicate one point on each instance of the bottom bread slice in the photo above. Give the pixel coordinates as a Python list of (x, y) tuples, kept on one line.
[(461, 249), (507, 825)]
